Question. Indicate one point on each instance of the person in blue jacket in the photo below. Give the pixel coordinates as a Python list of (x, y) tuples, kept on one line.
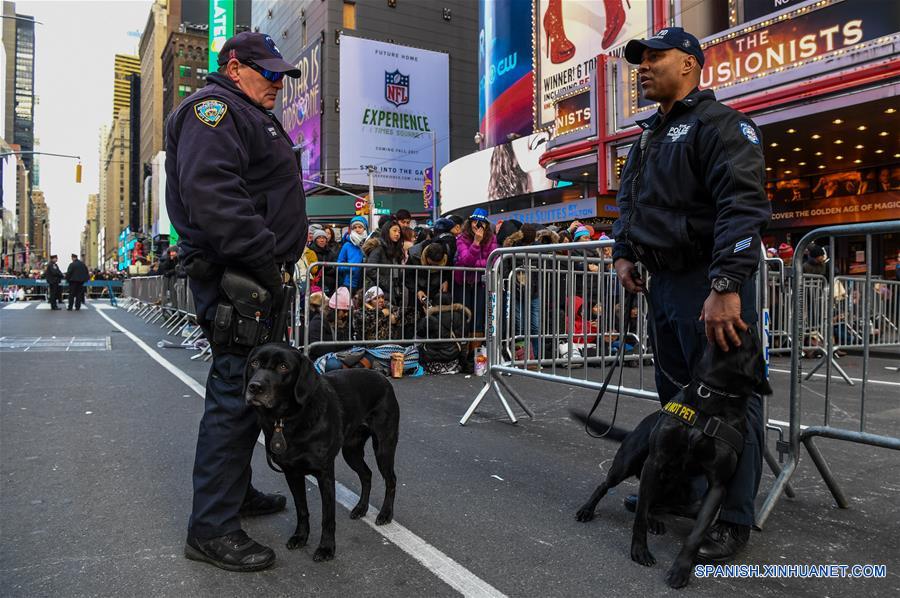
[(351, 253)]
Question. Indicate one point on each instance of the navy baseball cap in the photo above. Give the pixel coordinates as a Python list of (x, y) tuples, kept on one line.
[(665, 39), (258, 48)]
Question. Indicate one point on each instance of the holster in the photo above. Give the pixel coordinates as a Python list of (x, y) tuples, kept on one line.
[(244, 315)]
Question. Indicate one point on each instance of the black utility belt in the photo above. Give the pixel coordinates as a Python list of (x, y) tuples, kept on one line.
[(245, 312), (669, 260)]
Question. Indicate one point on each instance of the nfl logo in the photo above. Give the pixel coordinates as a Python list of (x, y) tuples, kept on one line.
[(396, 88)]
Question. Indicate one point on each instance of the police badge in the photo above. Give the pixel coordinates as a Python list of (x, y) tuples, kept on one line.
[(210, 112), (749, 132)]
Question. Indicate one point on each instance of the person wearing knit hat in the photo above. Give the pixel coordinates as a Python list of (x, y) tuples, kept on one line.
[(443, 225), (786, 253), (506, 228), (351, 253), (582, 234)]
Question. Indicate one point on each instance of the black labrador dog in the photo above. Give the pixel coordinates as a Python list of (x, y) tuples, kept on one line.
[(699, 433), (307, 418)]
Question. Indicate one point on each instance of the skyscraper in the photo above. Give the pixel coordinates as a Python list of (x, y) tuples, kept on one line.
[(124, 66)]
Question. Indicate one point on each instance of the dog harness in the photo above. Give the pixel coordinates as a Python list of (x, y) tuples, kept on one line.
[(711, 426)]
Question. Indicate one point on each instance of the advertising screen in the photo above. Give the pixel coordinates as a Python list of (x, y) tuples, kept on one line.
[(505, 77), (301, 111), (570, 35), (393, 99)]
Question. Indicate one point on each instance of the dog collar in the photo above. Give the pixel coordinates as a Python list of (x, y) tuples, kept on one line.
[(713, 427), (704, 392)]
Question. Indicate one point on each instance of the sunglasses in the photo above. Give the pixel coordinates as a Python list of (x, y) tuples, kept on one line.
[(270, 75)]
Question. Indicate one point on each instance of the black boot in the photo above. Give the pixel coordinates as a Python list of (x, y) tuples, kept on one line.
[(232, 552), (258, 503), (723, 541)]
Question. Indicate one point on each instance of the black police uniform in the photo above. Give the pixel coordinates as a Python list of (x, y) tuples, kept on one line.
[(692, 208), (235, 196), (53, 275)]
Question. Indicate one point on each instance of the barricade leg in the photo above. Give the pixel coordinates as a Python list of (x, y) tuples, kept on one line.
[(478, 398), (816, 455), (772, 462), (834, 364), (498, 379)]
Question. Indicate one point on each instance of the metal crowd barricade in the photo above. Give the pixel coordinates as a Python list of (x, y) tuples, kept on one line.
[(553, 311), (866, 313), (169, 302), (421, 306)]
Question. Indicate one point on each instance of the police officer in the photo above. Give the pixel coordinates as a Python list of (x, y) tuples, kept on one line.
[(692, 209), (77, 274), (234, 195), (53, 275)]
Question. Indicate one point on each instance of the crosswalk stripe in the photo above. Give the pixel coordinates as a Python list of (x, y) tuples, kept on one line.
[(43, 306), (18, 305)]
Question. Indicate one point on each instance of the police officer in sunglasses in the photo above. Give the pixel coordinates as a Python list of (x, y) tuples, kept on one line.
[(234, 194)]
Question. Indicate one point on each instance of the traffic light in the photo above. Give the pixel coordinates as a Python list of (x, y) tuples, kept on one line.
[(78, 172)]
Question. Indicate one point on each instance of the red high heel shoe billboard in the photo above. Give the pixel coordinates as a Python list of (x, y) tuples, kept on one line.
[(569, 34)]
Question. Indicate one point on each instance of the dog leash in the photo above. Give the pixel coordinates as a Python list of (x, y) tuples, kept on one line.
[(619, 362)]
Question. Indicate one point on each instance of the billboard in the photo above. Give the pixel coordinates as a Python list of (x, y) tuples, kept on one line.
[(506, 170), (393, 101), (569, 36), (753, 9), (221, 27), (505, 75), (301, 111), (804, 38)]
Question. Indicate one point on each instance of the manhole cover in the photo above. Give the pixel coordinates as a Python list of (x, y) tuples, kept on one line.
[(21, 344)]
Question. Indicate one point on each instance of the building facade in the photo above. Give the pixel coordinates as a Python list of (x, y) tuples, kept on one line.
[(123, 67), (40, 248), (184, 66), (114, 166), (820, 78), (89, 245)]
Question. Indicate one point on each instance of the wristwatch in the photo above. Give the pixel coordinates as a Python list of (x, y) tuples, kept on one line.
[(724, 284)]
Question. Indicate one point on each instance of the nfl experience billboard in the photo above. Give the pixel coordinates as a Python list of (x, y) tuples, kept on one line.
[(569, 37), (301, 111), (392, 99)]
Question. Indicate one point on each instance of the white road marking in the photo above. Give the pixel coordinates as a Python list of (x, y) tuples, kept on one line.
[(18, 305), (442, 566), (837, 376), (43, 306)]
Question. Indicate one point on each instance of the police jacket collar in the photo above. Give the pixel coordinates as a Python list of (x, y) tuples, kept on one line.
[(689, 101)]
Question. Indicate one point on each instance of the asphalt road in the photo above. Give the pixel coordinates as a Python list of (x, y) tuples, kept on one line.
[(96, 449)]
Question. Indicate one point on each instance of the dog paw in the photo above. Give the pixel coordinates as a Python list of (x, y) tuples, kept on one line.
[(384, 517), (359, 511), (297, 541), (323, 554), (677, 578), (656, 527), (584, 515), (642, 556)]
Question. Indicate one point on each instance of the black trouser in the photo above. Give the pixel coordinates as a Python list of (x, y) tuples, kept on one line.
[(676, 300), (76, 294), (53, 294), (228, 433)]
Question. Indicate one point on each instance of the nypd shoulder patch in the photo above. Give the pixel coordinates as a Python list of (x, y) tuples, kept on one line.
[(210, 112), (749, 132)]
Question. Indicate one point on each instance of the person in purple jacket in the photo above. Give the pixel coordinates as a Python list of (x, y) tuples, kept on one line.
[(473, 246)]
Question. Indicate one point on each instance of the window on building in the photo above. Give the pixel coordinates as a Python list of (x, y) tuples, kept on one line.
[(349, 15), (202, 73), (184, 90), (184, 71)]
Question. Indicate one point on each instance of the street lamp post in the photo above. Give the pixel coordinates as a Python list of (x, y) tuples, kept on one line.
[(434, 175)]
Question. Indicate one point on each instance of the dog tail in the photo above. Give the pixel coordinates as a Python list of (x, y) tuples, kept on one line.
[(598, 426)]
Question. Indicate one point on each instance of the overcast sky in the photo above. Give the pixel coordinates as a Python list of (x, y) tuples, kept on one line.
[(73, 78)]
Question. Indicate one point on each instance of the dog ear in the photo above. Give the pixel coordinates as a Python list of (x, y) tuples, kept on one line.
[(306, 377)]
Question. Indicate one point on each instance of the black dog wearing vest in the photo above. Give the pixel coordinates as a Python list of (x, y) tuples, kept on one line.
[(307, 418), (700, 432)]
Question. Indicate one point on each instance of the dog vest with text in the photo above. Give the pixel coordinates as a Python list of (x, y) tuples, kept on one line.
[(711, 426)]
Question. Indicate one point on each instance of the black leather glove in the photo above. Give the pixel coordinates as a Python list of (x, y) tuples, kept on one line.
[(269, 277)]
